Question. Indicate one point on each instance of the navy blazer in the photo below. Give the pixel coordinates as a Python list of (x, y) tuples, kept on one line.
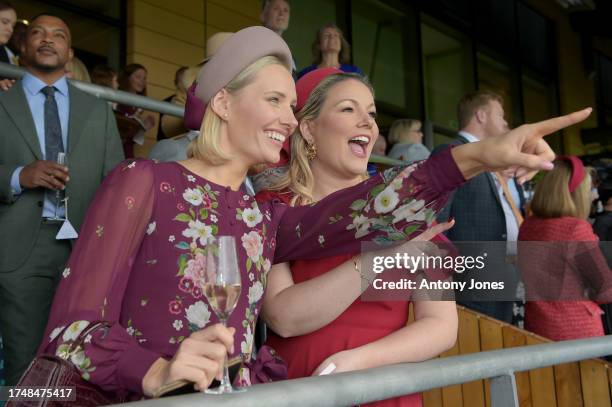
[(476, 207)]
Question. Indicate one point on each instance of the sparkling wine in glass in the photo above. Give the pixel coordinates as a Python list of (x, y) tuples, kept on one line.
[(222, 286), (61, 160)]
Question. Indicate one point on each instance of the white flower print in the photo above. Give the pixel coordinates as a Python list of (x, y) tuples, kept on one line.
[(130, 330), (171, 238), (78, 358), (255, 292), (87, 338), (56, 332), (151, 227), (66, 272), (410, 211), (251, 276), (74, 330), (213, 218), (191, 178), (251, 216), (198, 314), (194, 196), (321, 239), (361, 224), (386, 201), (267, 265), (247, 344), (198, 230), (246, 197), (253, 245), (132, 164), (177, 324)]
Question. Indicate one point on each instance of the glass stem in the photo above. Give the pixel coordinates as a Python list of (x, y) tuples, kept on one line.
[(57, 202), (225, 384)]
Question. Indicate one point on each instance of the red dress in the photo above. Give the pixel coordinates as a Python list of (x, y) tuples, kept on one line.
[(361, 323), (560, 311)]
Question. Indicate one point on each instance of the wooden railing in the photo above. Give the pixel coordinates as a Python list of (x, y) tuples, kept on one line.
[(581, 384)]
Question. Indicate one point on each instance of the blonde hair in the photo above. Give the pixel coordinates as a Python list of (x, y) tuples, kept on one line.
[(206, 146), (399, 127), (552, 198), (299, 178), (78, 70)]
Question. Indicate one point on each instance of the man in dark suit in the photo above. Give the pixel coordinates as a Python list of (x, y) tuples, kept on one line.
[(42, 116), (481, 208)]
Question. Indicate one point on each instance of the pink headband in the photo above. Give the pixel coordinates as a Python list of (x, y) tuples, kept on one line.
[(578, 171)]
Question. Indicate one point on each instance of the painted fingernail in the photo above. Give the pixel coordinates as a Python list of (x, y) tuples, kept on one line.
[(548, 165), (451, 219)]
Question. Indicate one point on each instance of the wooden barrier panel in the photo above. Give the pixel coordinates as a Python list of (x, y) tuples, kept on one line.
[(469, 342), (452, 396), (595, 388), (542, 381), (491, 338), (513, 338), (568, 386), (581, 384), (433, 398)]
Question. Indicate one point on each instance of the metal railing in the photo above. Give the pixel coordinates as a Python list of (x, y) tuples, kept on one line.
[(117, 96), (369, 385), (143, 102)]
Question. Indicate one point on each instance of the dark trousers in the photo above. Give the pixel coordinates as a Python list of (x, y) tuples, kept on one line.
[(26, 295)]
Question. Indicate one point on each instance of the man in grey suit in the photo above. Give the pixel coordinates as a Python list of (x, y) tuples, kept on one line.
[(481, 209), (42, 116)]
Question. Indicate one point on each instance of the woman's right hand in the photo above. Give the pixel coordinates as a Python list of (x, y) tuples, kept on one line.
[(199, 359)]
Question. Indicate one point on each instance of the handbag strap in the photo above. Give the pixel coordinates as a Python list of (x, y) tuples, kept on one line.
[(78, 342)]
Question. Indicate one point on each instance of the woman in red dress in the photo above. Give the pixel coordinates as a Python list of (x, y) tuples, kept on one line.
[(559, 272), (312, 306)]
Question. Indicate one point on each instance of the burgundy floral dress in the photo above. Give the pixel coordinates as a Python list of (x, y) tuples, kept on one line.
[(138, 263)]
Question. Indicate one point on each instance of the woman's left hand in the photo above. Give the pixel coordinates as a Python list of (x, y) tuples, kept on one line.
[(345, 361), (524, 149)]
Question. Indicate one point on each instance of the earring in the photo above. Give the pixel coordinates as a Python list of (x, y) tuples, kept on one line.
[(311, 151)]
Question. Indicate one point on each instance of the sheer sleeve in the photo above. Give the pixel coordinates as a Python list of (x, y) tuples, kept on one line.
[(390, 207), (95, 278)]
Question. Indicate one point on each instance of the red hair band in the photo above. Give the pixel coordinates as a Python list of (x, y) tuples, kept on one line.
[(578, 171)]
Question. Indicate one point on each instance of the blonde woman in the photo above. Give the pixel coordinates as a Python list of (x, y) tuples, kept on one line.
[(560, 258), (138, 264), (406, 138), (312, 306)]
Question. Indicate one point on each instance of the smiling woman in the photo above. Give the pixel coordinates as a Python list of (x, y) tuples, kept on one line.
[(8, 18), (139, 264)]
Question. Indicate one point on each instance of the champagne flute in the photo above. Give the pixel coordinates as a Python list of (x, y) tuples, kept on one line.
[(222, 286), (61, 160)]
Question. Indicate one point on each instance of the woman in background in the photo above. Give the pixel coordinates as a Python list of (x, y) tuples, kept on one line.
[(557, 273), (76, 69), (406, 139), (331, 50), (133, 79)]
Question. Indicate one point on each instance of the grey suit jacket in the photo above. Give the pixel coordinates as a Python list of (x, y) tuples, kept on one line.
[(476, 207), (94, 148)]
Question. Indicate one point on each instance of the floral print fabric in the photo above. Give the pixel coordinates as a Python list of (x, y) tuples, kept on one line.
[(139, 263)]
